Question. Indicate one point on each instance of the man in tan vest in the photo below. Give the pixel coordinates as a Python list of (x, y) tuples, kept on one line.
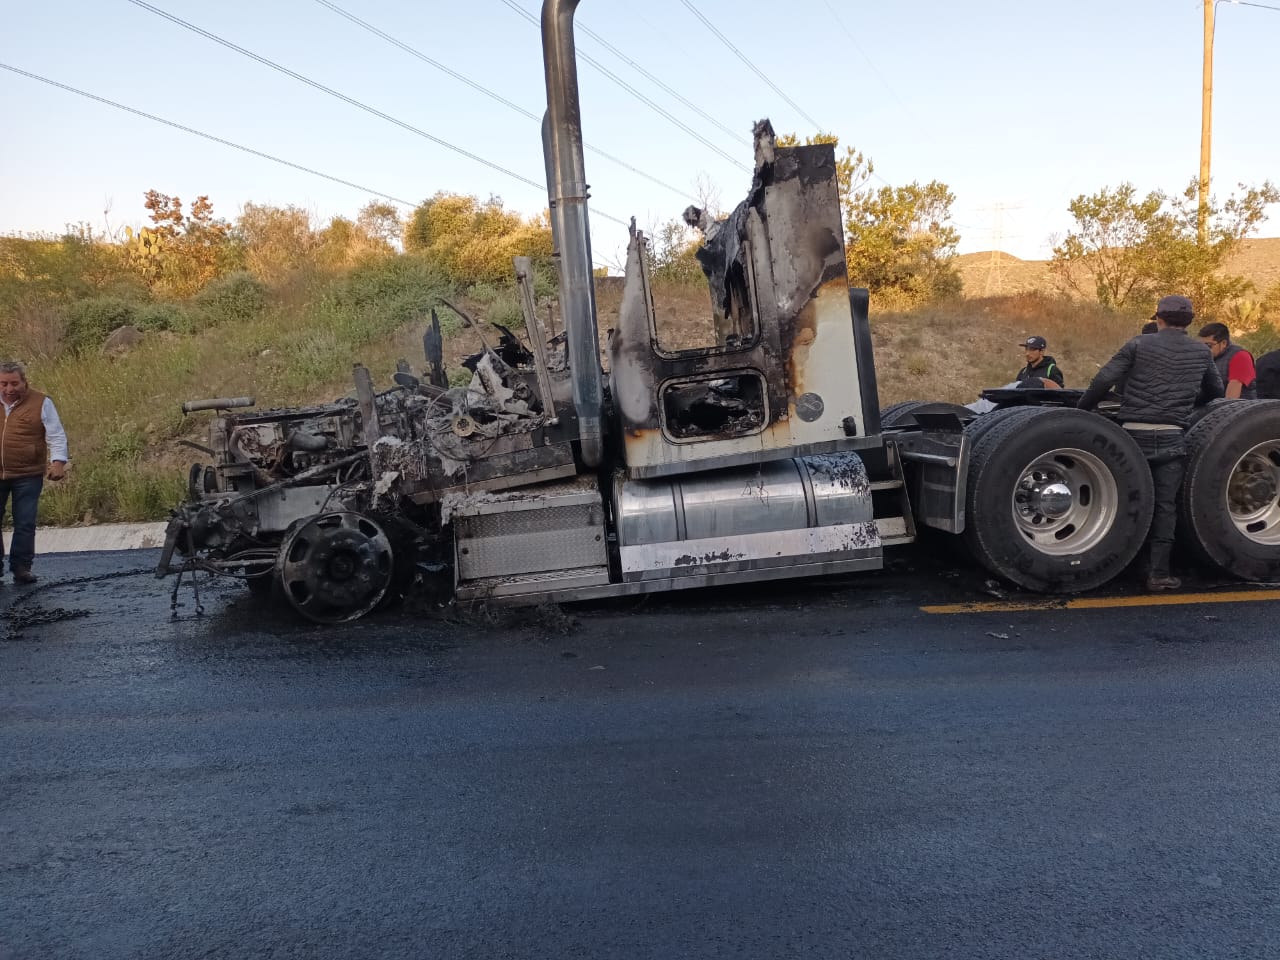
[(33, 446)]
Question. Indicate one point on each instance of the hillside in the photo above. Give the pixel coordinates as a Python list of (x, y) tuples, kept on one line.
[(993, 273)]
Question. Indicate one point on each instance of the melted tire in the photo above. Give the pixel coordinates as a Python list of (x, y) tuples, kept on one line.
[(1003, 445), (1205, 524)]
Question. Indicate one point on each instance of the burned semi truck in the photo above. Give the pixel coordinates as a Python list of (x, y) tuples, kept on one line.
[(761, 454)]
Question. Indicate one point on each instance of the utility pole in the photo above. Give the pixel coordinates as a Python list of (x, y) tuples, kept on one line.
[(1206, 124)]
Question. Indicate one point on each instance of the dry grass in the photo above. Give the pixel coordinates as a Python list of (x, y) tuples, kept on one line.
[(682, 310), (952, 351)]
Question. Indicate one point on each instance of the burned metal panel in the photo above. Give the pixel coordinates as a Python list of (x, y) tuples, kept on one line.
[(779, 289), (518, 541), (752, 551)]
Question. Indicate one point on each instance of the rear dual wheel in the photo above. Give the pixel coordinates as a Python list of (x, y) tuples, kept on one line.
[(1058, 500), (1229, 504)]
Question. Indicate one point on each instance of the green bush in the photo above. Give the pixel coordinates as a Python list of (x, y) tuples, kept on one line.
[(237, 296), (125, 445), (164, 316), (105, 490), (380, 296), (89, 321), (1263, 340)]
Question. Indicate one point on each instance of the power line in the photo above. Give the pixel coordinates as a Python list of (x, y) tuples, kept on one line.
[(662, 84), (754, 69), (334, 93), (353, 102), (206, 136), (667, 115), (1245, 3), (481, 88), (863, 53), (226, 143)]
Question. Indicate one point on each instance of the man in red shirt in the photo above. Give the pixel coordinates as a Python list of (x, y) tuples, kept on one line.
[(1234, 362)]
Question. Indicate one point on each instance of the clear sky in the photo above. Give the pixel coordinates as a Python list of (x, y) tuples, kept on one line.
[(1021, 105)]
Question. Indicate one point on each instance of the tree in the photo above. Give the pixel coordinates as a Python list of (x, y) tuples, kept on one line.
[(180, 252), (672, 253), (473, 240), (380, 222), (1128, 250), (899, 242), (277, 240)]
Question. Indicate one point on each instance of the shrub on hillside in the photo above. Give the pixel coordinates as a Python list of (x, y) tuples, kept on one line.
[(472, 240), (391, 292), (237, 296), (152, 317), (32, 329), (89, 321)]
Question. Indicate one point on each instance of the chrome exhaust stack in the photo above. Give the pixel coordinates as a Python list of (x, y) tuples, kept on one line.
[(567, 194)]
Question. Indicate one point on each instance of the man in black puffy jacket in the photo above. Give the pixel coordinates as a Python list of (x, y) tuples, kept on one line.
[(1165, 376)]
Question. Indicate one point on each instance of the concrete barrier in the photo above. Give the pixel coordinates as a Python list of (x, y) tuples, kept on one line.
[(105, 536)]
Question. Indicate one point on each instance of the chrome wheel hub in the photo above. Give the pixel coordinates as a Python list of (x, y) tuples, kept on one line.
[(1253, 493), (1065, 501)]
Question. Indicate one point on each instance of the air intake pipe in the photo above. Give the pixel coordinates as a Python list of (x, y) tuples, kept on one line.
[(567, 193)]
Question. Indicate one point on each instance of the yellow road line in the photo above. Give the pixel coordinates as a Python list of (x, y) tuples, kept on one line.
[(1099, 603)]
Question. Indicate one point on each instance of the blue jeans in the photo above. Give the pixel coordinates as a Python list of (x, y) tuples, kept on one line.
[(1166, 453), (26, 497)]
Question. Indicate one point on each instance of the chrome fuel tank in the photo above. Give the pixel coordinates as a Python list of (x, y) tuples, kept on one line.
[(778, 513)]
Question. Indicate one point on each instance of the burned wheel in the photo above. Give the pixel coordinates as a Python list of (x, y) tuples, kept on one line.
[(336, 567), (1058, 500), (1229, 504)]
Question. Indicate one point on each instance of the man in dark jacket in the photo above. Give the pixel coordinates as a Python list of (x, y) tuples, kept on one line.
[(1041, 370), (1234, 362), (1165, 376), (1268, 370)]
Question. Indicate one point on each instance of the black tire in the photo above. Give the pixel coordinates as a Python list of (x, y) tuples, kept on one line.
[(903, 414), (1199, 413), (892, 415), (1238, 536), (1016, 531)]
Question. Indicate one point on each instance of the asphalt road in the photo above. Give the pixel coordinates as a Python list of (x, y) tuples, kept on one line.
[(808, 770)]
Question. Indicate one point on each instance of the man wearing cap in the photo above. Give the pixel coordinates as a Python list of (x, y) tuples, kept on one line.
[(1165, 375), (1234, 362), (1039, 367)]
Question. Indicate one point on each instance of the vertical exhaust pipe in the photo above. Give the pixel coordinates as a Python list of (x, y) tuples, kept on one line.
[(567, 193)]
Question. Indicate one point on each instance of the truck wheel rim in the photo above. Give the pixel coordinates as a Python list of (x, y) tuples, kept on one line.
[(1253, 494), (1065, 502), (335, 567)]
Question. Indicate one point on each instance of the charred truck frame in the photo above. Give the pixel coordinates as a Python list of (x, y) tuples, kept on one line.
[(760, 456)]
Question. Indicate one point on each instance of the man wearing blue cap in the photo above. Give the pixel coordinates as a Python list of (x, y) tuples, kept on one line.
[(1165, 375)]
